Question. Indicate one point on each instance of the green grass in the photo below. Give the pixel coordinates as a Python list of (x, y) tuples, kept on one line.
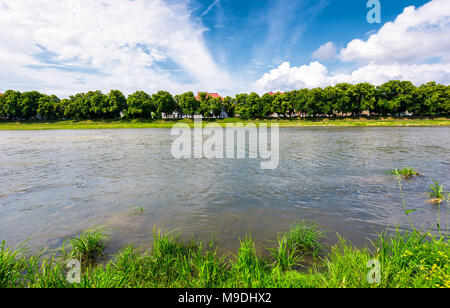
[(305, 237), (285, 257), (88, 247), (436, 193), (11, 264), (304, 122), (138, 211), (405, 173), (408, 259)]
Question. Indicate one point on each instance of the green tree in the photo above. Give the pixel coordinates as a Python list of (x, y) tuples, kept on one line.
[(47, 107), (315, 106), (60, 108), (78, 107), (299, 100), (229, 106), (188, 104), (354, 96), (241, 106), (98, 105), (205, 107), (446, 105), (117, 103), (365, 98), (329, 97), (342, 100), (282, 104), (432, 99), (165, 103), (11, 104), (28, 104), (395, 97), (140, 105), (266, 101), (353, 100), (2, 110), (216, 106), (406, 97), (254, 106)]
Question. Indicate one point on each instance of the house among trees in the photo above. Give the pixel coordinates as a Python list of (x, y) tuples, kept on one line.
[(174, 116), (208, 95), (223, 115), (201, 98)]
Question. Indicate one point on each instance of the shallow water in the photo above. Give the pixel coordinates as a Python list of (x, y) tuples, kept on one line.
[(55, 184)]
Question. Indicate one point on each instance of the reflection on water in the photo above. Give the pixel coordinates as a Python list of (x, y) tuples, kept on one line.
[(58, 183)]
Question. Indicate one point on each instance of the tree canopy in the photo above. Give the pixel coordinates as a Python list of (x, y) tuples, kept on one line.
[(392, 98)]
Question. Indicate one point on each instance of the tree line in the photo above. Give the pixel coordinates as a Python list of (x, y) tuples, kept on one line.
[(392, 98)]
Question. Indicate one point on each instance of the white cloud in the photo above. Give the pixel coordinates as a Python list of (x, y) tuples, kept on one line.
[(416, 35), (325, 52), (400, 50), (286, 77), (210, 7), (378, 74), (103, 45)]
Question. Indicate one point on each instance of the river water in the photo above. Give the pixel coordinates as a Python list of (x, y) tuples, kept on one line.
[(55, 184)]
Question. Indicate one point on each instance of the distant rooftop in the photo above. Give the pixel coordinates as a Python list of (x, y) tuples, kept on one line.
[(209, 95)]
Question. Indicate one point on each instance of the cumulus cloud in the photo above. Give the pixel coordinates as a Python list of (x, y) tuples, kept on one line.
[(378, 74), (416, 35), (67, 46), (286, 77), (414, 47), (325, 52)]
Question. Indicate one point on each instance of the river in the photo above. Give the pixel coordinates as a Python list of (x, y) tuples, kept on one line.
[(55, 184)]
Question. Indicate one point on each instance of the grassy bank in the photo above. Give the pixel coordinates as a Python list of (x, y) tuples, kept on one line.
[(138, 124), (411, 259)]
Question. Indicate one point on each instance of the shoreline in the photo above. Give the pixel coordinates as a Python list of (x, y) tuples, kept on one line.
[(142, 124)]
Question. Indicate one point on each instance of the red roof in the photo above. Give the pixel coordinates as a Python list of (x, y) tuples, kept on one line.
[(273, 93), (209, 95)]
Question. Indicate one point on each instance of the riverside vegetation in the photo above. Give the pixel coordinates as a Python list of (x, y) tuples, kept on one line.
[(392, 98), (409, 259), (406, 173)]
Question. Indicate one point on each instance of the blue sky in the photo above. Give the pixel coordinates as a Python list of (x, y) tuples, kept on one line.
[(227, 46), (252, 36)]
